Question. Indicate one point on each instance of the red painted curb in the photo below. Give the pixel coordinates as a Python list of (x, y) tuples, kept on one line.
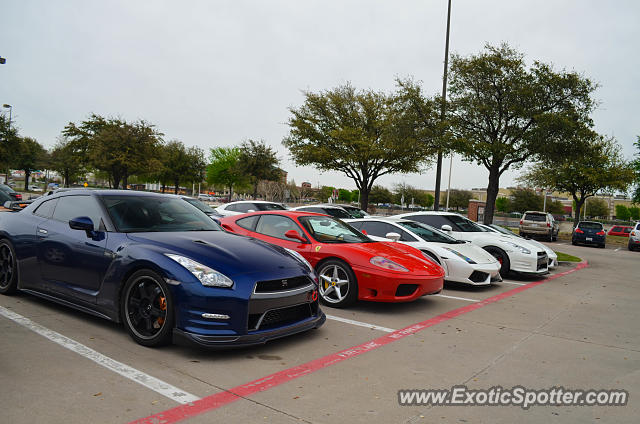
[(217, 400)]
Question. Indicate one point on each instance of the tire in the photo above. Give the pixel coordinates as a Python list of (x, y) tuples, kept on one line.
[(575, 243), (8, 268), (502, 257), (602, 246), (551, 236), (334, 275), (630, 247), (147, 308)]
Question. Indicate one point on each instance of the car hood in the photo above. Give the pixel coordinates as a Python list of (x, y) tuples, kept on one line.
[(407, 256), (228, 253), (487, 239)]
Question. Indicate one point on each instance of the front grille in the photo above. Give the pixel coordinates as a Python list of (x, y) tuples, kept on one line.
[(282, 284), (542, 260), (406, 289), (478, 276), (279, 317)]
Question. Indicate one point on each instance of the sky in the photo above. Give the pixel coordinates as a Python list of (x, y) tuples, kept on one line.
[(214, 73)]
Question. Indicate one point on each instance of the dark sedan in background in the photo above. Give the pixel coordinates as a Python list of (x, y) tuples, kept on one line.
[(589, 232), (159, 265)]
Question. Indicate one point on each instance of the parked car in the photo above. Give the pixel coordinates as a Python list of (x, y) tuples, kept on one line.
[(513, 255), (551, 255), (462, 262), (634, 238), (205, 197), (354, 211), (10, 192), (244, 206), (332, 210), (34, 187), (349, 264), (211, 213), (620, 230), (158, 265), (589, 232), (534, 223)]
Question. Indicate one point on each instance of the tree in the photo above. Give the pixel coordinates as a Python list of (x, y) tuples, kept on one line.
[(460, 199), (595, 164), (224, 168), (428, 200), (9, 142), (555, 208), (67, 161), (597, 207), (380, 194), (622, 213), (325, 192), (29, 157), (634, 211), (181, 164), (363, 134), (525, 199), (344, 195), (503, 204), (259, 162), (636, 169), (503, 115)]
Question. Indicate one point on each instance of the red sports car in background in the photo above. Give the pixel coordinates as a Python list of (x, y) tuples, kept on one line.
[(620, 230), (349, 265)]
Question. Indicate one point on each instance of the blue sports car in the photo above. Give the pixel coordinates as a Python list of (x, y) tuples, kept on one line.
[(158, 265)]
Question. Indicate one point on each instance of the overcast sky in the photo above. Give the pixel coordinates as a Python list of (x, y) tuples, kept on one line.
[(213, 73)]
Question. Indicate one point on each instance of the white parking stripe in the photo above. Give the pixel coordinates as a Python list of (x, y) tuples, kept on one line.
[(457, 298), (360, 324), (139, 377), (513, 282)]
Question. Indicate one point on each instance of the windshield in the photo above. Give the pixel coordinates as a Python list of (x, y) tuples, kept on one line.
[(270, 207), (325, 229), (337, 213), (354, 212), (464, 224), (502, 230), (428, 233), (200, 205), (136, 214), (590, 225)]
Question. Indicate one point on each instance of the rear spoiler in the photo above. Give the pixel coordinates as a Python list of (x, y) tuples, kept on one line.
[(16, 205)]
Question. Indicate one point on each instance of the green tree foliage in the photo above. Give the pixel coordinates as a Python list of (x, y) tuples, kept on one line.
[(636, 169), (324, 193), (503, 114), (524, 199), (410, 193), (117, 147), (428, 200), (594, 164), (503, 204), (224, 168), (459, 199), (181, 164), (9, 142), (555, 207), (363, 134), (634, 211), (380, 194), (29, 157), (259, 162), (622, 213), (67, 161), (355, 195), (597, 208), (344, 195)]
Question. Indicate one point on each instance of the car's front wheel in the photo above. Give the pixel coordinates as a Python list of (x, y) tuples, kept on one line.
[(338, 285), (8, 268), (503, 259), (147, 309)]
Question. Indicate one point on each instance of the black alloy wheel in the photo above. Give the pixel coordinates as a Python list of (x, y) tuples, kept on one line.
[(8, 268)]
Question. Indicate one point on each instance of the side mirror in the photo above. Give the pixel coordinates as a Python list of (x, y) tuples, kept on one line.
[(293, 234), (83, 223), (446, 227), (393, 236)]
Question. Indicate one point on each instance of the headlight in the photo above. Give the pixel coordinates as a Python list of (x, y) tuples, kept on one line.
[(387, 264), (460, 255), (518, 247), (208, 276), (299, 257)]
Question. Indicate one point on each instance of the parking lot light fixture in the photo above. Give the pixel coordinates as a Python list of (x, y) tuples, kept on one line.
[(6, 106)]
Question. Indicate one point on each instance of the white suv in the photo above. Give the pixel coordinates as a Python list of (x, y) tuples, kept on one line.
[(513, 255), (634, 237)]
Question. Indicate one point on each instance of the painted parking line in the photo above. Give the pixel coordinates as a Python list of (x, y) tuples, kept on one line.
[(158, 386), (456, 298), (514, 283), (360, 324), (218, 400)]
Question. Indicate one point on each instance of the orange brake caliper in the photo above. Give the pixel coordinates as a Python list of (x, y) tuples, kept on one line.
[(163, 307)]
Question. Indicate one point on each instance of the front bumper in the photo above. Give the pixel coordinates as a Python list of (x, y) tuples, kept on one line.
[(257, 338), (582, 239), (533, 264), (476, 274), (382, 286)]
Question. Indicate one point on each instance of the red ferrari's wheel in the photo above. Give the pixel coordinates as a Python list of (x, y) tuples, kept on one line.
[(338, 285)]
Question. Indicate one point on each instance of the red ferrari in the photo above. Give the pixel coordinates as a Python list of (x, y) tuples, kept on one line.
[(349, 264)]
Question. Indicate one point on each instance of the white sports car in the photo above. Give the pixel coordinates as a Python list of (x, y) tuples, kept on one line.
[(462, 262), (553, 258), (513, 254)]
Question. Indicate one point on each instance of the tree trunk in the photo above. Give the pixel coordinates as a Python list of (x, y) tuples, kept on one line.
[(255, 190), (163, 187), (230, 193), (116, 180), (27, 173), (125, 181), (492, 195), (364, 199), (576, 216), (176, 184)]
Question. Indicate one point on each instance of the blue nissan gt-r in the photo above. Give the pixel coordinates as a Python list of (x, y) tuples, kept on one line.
[(159, 265)]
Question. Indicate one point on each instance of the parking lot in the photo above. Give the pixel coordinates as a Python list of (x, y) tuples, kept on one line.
[(576, 329)]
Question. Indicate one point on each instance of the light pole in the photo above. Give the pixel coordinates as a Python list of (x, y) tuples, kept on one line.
[(2, 60), (6, 106)]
